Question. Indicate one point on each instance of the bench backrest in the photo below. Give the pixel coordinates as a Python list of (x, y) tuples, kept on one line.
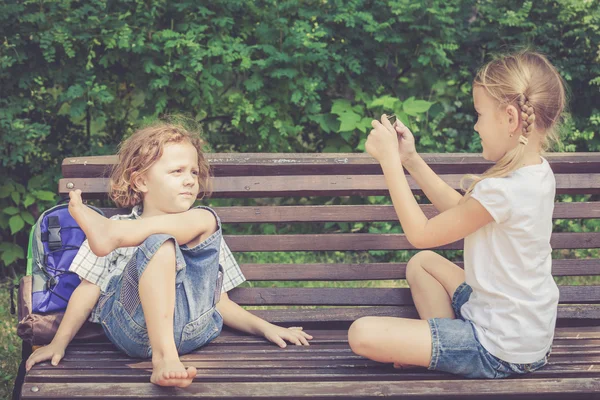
[(327, 179)]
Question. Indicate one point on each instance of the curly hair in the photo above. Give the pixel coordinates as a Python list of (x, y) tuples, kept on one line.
[(143, 149)]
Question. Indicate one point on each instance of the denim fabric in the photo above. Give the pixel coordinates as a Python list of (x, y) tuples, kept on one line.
[(455, 347), (198, 283)]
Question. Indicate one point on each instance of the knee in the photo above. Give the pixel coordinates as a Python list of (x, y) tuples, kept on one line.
[(414, 267), (359, 336)]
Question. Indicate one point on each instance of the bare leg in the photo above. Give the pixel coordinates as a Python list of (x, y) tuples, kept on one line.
[(105, 235), (157, 294), (392, 340), (433, 280)]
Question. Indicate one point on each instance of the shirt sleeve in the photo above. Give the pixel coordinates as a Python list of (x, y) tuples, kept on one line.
[(493, 195), (88, 265), (232, 273)]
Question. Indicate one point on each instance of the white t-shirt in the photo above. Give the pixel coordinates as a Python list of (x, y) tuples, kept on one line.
[(508, 264)]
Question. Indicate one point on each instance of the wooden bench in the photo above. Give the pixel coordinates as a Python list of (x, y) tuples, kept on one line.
[(240, 366)]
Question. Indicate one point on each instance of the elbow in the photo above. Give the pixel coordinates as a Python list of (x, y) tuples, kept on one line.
[(418, 242)]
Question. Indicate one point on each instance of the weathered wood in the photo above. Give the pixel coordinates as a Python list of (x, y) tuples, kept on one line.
[(240, 164), (349, 314), (333, 296), (377, 271), (359, 213), (537, 388), (376, 241), (277, 374), (318, 185)]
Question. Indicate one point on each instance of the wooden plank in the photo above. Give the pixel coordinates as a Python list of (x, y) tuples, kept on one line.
[(228, 374), (383, 271), (326, 315), (369, 296), (238, 164), (376, 241), (363, 213), (320, 390), (318, 185), (349, 213)]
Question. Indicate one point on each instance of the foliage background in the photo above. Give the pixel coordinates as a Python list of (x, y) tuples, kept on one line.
[(261, 76)]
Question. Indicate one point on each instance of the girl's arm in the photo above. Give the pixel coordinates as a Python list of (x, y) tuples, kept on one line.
[(437, 191), (451, 225), (80, 306), (236, 317), (441, 195)]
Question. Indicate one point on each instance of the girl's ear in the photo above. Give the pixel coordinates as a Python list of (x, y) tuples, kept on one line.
[(138, 181), (512, 116)]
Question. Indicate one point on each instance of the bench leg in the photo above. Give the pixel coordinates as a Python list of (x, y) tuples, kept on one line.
[(25, 353)]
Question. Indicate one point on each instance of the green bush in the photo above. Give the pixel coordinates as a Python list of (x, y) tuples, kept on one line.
[(267, 76)]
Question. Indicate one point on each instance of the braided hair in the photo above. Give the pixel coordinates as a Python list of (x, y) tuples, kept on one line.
[(529, 82)]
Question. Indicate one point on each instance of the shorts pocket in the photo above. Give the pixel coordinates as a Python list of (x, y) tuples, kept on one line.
[(201, 331)]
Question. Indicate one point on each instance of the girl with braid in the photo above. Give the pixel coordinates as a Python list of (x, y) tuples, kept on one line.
[(496, 317)]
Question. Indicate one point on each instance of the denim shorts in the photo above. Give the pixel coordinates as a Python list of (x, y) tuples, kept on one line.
[(456, 349), (198, 282)]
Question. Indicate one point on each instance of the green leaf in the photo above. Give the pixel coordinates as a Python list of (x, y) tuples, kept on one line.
[(341, 107), (387, 102), (44, 195), (16, 223), (327, 122), (16, 197), (11, 210), (414, 107), (11, 253), (364, 124), (29, 200), (27, 217), (5, 191), (347, 135), (348, 121)]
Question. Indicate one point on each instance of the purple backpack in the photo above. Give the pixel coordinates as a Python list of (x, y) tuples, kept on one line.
[(53, 244)]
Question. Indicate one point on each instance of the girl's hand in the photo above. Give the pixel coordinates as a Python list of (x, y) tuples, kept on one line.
[(54, 352), (382, 142), (278, 335), (406, 141)]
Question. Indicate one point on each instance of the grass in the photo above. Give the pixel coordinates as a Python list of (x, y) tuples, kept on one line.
[(10, 344)]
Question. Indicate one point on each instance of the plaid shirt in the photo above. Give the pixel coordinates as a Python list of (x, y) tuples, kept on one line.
[(100, 270)]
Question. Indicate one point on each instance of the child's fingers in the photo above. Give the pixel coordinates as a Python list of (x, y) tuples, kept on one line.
[(292, 338), (34, 359), (278, 341), (56, 359), (303, 340), (386, 122)]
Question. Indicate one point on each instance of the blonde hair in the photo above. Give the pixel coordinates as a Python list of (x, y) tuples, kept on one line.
[(142, 150), (529, 82)]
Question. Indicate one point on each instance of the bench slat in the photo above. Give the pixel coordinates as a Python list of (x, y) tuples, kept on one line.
[(325, 316), (359, 213), (376, 241), (369, 296), (316, 390), (377, 271), (318, 185), (240, 164)]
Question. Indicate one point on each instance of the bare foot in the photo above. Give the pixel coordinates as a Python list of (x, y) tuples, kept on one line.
[(96, 227), (172, 373)]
